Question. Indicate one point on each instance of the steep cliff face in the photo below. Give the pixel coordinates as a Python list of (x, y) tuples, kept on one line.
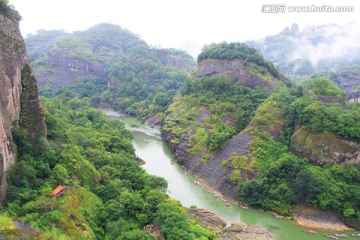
[(236, 70), (324, 148), (65, 71), (217, 169), (348, 78), (19, 101)]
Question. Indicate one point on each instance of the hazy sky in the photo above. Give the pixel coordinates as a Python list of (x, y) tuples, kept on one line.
[(185, 24)]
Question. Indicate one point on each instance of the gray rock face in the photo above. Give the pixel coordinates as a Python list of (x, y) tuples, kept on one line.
[(231, 231), (234, 69), (15, 90), (322, 148), (350, 85), (207, 219), (216, 175), (68, 70), (250, 232)]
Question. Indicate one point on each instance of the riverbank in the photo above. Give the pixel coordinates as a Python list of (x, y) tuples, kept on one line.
[(311, 217), (217, 194), (305, 216), (227, 231), (160, 162)]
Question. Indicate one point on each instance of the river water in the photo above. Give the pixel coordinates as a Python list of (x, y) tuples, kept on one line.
[(159, 161)]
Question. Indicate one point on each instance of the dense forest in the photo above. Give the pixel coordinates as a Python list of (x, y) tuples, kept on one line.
[(108, 196)]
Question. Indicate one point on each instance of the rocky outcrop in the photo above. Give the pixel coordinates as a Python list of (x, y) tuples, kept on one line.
[(249, 232), (324, 148), (348, 78), (19, 100), (65, 71), (234, 69), (207, 219), (350, 85), (214, 172), (224, 231)]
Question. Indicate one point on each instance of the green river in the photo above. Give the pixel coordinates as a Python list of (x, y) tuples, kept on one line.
[(159, 161)]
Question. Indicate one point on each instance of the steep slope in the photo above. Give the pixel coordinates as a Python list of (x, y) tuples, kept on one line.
[(247, 136), (19, 100), (111, 66), (204, 126)]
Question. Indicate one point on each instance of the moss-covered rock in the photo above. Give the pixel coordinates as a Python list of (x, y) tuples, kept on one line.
[(322, 148)]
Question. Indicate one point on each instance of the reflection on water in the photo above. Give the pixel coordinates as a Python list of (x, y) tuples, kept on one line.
[(159, 161)]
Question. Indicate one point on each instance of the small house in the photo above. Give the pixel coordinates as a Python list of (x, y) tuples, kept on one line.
[(57, 191)]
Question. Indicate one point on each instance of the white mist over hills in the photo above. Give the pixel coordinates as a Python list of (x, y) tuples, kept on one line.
[(315, 48), (327, 43)]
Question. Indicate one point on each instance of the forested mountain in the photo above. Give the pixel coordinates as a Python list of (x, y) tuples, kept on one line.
[(77, 177), (109, 65), (243, 128), (315, 48), (237, 122)]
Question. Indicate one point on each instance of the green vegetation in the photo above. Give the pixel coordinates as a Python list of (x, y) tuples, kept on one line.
[(6, 222), (285, 179), (108, 195), (9, 11), (324, 87), (237, 50), (210, 110), (123, 70), (225, 107), (325, 116)]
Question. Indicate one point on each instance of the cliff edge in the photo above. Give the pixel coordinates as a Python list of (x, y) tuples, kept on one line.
[(19, 99)]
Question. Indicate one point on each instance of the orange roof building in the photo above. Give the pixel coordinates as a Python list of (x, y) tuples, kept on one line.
[(57, 190)]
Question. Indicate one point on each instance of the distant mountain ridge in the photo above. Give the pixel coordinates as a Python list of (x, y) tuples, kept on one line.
[(92, 52), (108, 58)]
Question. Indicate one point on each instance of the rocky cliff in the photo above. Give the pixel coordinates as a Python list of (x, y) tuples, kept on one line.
[(105, 51), (224, 168), (19, 101), (213, 170), (348, 78), (236, 70), (66, 70), (324, 148)]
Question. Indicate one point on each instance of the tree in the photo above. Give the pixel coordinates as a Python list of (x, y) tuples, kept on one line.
[(59, 174)]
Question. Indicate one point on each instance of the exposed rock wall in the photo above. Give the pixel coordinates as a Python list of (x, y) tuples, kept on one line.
[(15, 90), (224, 231), (213, 172), (324, 148), (350, 85), (65, 71), (235, 70)]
